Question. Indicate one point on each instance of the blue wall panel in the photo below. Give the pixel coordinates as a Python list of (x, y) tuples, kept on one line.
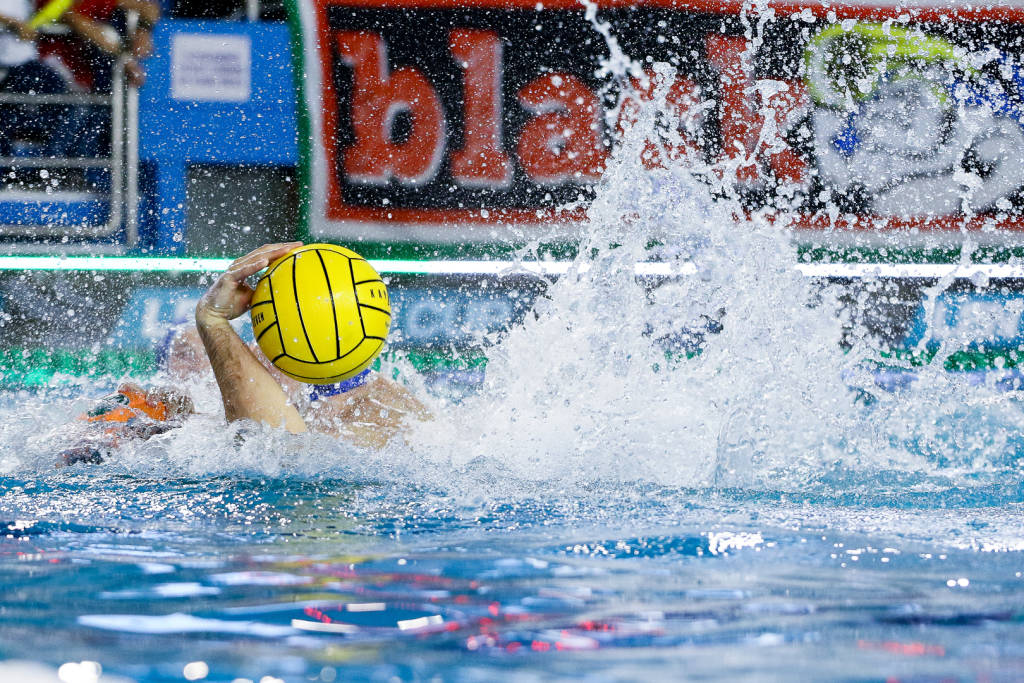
[(176, 132)]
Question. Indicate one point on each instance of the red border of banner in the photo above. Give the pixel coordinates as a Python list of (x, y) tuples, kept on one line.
[(821, 10), (810, 222)]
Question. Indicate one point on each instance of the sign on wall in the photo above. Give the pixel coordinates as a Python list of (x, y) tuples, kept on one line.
[(436, 121), (211, 67)]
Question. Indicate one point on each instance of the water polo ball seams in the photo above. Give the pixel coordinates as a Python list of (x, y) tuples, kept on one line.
[(309, 364)]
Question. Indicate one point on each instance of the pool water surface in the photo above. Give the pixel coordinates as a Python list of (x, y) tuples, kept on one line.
[(244, 578)]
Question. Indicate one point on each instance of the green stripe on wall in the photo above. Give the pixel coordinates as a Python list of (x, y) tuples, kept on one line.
[(24, 368), (304, 131)]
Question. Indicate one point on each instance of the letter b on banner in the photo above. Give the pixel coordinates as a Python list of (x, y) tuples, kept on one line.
[(435, 119), (378, 98)]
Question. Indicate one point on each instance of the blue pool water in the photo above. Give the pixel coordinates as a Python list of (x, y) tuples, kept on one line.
[(322, 579), (762, 511)]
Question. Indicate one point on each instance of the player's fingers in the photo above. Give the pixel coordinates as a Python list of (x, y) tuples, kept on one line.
[(244, 270), (267, 252), (272, 251), (275, 246), (243, 295)]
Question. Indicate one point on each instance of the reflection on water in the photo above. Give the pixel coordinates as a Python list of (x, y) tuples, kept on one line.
[(317, 580)]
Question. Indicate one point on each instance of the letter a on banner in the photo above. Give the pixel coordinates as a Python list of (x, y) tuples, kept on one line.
[(378, 97), (562, 142), (480, 123)]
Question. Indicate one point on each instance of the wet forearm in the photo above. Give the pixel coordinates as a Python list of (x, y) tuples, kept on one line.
[(93, 32), (247, 389)]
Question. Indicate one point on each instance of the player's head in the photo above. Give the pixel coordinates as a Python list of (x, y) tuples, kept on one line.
[(132, 403)]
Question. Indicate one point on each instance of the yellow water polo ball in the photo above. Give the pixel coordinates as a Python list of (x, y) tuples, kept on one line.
[(321, 313)]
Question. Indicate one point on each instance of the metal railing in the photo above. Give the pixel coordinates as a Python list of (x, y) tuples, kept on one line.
[(122, 162)]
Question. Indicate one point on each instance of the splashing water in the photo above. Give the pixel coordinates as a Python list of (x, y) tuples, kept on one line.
[(676, 474), (583, 390), (730, 377), (594, 385)]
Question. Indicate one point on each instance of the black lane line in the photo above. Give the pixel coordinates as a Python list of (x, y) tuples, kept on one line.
[(352, 272), (265, 330), (270, 286), (385, 312), (298, 307), (334, 312)]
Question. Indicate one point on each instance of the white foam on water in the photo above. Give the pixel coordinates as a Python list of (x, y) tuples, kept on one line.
[(182, 623), (582, 392), (24, 671)]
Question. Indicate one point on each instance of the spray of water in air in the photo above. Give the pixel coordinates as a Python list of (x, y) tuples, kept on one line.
[(731, 376), (723, 377)]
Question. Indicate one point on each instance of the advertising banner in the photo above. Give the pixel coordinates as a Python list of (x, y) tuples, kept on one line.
[(431, 120), (78, 325), (74, 325)]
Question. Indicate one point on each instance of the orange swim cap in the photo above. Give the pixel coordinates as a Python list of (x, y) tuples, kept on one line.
[(128, 403)]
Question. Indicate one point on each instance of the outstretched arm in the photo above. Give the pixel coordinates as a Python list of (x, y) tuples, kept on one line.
[(247, 389), (21, 28)]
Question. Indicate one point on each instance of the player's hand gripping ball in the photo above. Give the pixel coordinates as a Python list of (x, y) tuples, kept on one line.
[(321, 313)]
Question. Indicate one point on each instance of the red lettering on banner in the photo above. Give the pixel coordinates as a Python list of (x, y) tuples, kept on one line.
[(730, 56), (681, 100), (562, 141), (786, 107), (481, 161), (749, 136), (377, 98)]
